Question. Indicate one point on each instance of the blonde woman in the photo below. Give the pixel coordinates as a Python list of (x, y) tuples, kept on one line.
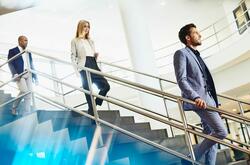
[(83, 54)]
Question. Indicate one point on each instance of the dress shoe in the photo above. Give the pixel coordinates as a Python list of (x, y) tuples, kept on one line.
[(186, 162), (14, 112)]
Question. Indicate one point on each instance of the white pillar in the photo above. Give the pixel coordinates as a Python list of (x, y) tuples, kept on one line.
[(141, 50)]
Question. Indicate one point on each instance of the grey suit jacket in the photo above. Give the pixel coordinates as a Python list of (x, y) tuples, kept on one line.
[(190, 78)]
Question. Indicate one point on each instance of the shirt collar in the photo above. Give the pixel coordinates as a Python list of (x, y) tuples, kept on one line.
[(20, 48), (196, 52)]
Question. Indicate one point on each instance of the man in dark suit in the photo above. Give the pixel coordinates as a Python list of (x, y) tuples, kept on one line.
[(18, 66), (196, 83)]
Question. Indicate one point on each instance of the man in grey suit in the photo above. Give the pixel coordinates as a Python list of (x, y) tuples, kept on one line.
[(196, 83)]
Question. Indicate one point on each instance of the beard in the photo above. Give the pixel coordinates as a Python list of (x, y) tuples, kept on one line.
[(196, 42)]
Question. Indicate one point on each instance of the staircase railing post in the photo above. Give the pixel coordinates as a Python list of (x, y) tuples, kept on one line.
[(108, 104), (187, 135), (246, 126), (62, 91), (216, 36), (29, 72), (101, 67), (91, 96), (243, 133), (166, 108)]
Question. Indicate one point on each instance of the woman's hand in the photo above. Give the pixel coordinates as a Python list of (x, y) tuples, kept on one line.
[(96, 55)]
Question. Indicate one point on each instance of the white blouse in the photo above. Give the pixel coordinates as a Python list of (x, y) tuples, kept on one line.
[(88, 48)]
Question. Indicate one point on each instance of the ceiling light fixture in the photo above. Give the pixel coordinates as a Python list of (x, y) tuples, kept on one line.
[(163, 3)]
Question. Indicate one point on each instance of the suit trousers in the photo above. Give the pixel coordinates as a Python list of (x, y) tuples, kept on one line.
[(98, 80), (212, 125), (24, 85)]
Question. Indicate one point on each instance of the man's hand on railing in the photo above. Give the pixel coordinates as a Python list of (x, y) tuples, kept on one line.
[(16, 77), (36, 82), (219, 106), (200, 103)]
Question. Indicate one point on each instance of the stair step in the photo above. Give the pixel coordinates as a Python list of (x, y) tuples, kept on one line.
[(122, 138), (136, 127), (4, 99), (48, 115), (109, 114), (127, 120), (173, 142), (145, 154), (61, 123), (161, 157), (123, 161)]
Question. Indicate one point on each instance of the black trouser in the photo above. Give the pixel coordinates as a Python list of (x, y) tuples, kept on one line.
[(99, 80)]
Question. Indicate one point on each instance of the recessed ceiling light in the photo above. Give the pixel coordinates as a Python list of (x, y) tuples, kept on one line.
[(234, 110), (163, 3)]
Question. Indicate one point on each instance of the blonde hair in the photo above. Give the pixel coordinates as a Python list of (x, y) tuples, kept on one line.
[(80, 27)]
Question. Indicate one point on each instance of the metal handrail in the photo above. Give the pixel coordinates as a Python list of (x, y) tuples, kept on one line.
[(47, 101), (125, 106), (138, 85), (134, 71), (39, 84), (155, 91), (71, 91), (13, 79), (178, 121), (154, 116), (12, 58), (120, 129), (226, 26), (209, 26), (217, 42), (119, 100), (168, 81), (165, 96), (79, 105), (214, 34), (227, 97), (229, 13), (12, 100), (220, 41), (67, 76)]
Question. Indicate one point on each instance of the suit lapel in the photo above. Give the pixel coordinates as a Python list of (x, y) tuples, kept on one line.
[(20, 57), (17, 50), (195, 58)]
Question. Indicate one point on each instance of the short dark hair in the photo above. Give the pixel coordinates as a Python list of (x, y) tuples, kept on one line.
[(184, 31)]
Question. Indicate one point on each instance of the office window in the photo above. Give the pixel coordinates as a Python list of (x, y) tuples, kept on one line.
[(242, 17)]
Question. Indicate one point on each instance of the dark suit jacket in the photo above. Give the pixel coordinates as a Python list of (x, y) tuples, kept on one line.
[(17, 65), (189, 75)]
